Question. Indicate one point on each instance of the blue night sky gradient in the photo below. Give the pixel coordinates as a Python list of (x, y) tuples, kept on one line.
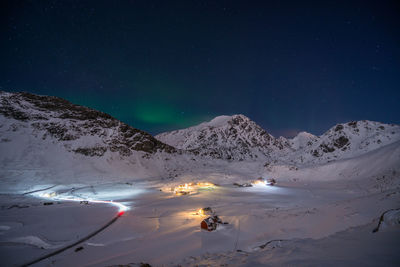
[(161, 65)]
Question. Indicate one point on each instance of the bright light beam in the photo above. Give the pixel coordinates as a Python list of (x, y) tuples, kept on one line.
[(121, 207)]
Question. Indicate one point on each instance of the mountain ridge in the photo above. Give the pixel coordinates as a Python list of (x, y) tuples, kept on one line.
[(65, 122), (233, 137), (85, 131), (343, 140)]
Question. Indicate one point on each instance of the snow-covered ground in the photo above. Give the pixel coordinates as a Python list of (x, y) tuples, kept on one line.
[(319, 220), (356, 246)]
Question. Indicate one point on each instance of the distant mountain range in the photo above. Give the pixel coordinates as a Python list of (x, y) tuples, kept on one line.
[(91, 133), (238, 138)]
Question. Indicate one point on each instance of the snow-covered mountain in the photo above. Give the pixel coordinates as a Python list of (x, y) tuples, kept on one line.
[(302, 140), (44, 135), (41, 136), (238, 138), (93, 132), (226, 137), (345, 140)]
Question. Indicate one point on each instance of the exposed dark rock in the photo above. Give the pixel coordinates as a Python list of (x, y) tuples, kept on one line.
[(339, 127), (315, 153), (91, 151), (326, 148), (10, 112), (352, 124), (340, 142)]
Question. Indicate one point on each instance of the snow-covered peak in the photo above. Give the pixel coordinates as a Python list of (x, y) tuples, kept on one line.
[(227, 137), (304, 135), (302, 140), (346, 140), (218, 121)]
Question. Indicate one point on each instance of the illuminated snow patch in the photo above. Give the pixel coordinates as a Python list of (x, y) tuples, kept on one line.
[(189, 188), (263, 182), (109, 193), (260, 183), (266, 189), (53, 196)]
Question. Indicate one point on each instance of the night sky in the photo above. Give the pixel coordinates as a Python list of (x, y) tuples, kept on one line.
[(162, 65)]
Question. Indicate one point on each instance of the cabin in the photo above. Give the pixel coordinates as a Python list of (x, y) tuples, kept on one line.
[(210, 223)]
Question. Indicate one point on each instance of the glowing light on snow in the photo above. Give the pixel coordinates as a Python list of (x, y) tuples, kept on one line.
[(205, 185), (200, 212), (263, 182), (183, 189), (50, 195), (260, 182), (53, 195), (187, 188)]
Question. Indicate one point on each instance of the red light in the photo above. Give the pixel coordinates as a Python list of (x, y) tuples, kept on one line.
[(121, 213)]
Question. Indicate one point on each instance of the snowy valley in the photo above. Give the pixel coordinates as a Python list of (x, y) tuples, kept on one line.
[(67, 171)]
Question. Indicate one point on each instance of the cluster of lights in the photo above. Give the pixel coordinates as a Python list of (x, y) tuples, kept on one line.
[(188, 188), (183, 189), (261, 181)]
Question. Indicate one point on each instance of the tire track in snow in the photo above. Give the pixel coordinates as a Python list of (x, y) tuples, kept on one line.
[(35, 191), (121, 211)]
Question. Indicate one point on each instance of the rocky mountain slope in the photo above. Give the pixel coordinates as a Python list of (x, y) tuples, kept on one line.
[(238, 138), (345, 140), (226, 137), (46, 139), (81, 129)]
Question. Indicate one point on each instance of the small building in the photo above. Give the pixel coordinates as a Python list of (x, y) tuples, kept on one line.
[(210, 223)]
